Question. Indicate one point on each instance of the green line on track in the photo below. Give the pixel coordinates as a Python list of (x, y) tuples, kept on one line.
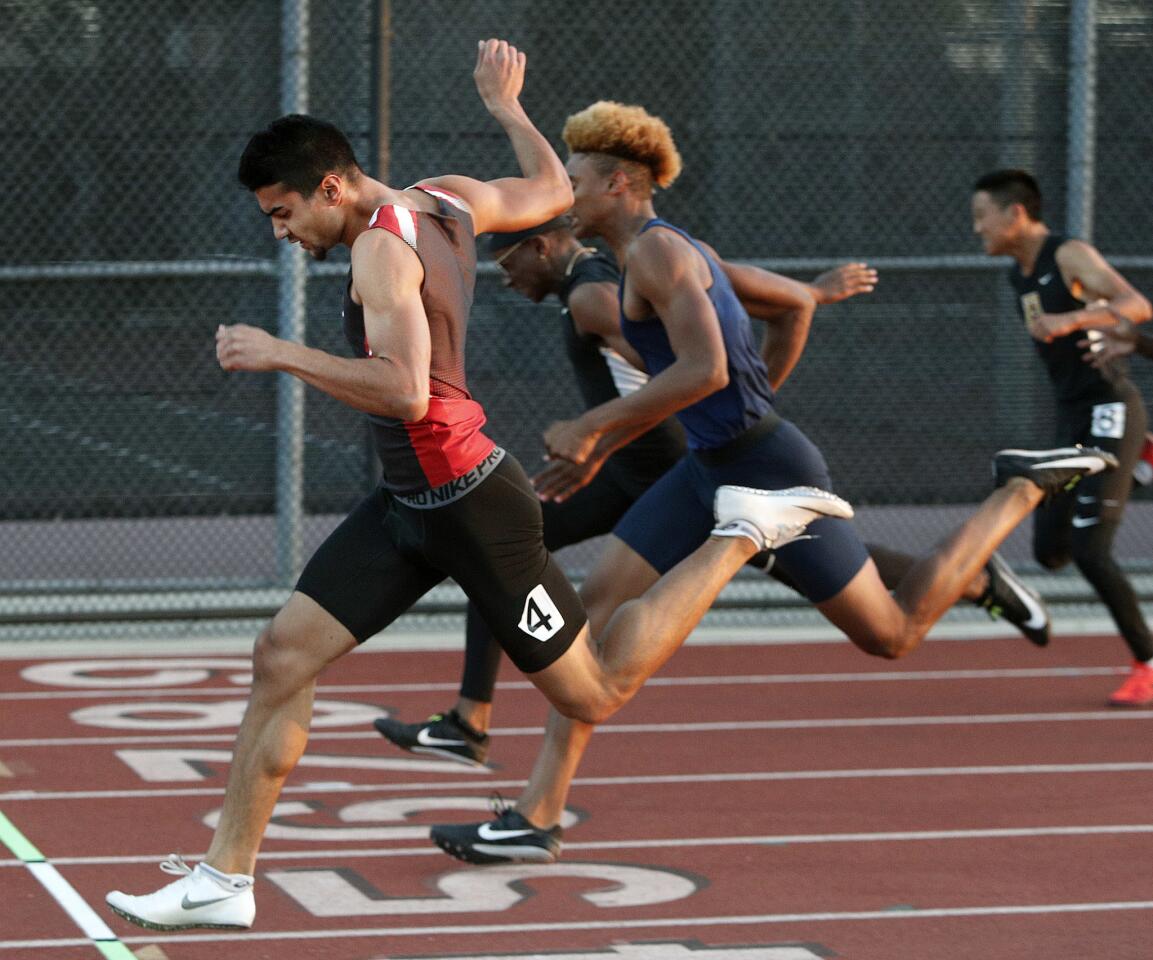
[(19, 844), (23, 849), (114, 950)]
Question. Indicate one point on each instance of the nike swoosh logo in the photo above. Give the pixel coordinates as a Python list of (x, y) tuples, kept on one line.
[(1037, 617), (426, 739), (1045, 279), (487, 832), (1085, 521), (187, 904)]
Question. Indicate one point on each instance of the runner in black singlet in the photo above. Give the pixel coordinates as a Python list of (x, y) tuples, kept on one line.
[(1065, 287)]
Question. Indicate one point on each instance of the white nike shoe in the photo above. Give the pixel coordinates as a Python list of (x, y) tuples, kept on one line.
[(202, 897), (773, 518)]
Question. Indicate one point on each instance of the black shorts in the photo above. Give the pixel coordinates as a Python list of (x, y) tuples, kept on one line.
[(1116, 424), (595, 509), (386, 555)]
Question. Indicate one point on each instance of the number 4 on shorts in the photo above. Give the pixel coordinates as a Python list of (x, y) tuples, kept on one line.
[(540, 617)]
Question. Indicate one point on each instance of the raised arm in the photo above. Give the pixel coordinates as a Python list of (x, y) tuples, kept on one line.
[(543, 191), (394, 381)]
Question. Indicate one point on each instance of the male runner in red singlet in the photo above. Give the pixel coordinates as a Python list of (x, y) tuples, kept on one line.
[(452, 503)]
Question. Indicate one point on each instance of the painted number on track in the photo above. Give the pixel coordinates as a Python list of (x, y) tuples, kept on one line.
[(331, 893)]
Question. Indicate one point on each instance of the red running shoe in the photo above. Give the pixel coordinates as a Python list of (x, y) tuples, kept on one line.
[(1137, 690), (1143, 468)]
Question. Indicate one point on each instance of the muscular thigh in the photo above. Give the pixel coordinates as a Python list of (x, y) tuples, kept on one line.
[(822, 565), (490, 542), (619, 575), (361, 575), (670, 520)]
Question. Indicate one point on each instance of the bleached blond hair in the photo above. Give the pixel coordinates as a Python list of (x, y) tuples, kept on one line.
[(626, 132)]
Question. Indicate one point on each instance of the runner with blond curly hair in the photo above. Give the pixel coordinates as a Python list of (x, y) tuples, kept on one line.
[(684, 316)]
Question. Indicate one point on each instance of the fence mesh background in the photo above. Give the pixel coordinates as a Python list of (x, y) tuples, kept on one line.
[(812, 132)]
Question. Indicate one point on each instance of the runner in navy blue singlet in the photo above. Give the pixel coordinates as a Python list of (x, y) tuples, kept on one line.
[(549, 260), (683, 316)]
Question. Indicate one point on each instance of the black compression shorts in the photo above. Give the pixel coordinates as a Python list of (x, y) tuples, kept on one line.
[(386, 555)]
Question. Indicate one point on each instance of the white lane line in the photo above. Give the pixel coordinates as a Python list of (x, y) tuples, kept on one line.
[(772, 840), (1016, 910), (75, 906), (1046, 673), (1046, 769), (723, 726)]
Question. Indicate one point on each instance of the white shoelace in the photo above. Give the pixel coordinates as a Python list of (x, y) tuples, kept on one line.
[(175, 865)]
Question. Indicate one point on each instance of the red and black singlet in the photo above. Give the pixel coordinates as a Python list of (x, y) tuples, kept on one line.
[(436, 458)]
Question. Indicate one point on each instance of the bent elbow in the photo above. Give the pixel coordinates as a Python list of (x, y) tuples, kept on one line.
[(417, 408), (718, 379), (562, 196)]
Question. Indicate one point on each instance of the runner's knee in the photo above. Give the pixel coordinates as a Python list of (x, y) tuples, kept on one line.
[(281, 658), (592, 709), (888, 646)]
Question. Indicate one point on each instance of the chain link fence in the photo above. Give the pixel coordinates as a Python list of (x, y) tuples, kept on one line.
[(138, 480)]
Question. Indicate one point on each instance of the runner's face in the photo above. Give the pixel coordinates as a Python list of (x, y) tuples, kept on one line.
[(992, 223), (297, 219), (525, 270), (592, 202)]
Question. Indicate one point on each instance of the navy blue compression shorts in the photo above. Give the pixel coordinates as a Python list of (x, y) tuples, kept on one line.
[(675, 516)]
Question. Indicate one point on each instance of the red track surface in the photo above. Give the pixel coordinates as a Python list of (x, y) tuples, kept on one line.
[(975, 801)]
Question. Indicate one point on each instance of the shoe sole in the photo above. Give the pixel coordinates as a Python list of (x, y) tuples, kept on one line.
[(1038, 636), (447, 755), (812, 499), (1130, 704), (150, 925)]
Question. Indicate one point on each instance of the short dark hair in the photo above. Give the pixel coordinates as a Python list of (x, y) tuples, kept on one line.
[(1007, 187), (297, 151)]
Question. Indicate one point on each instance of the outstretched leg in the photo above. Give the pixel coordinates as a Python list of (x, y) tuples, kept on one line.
[(648, 619), (891, 626), (875, 620), (301, 640)]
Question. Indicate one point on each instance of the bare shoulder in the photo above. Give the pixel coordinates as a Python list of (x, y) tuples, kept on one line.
[(658, 249), (464, 189), (1075, 253), (595, 309), (381, 258)]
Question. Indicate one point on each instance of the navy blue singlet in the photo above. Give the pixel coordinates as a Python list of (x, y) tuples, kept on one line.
[(721, 416)]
